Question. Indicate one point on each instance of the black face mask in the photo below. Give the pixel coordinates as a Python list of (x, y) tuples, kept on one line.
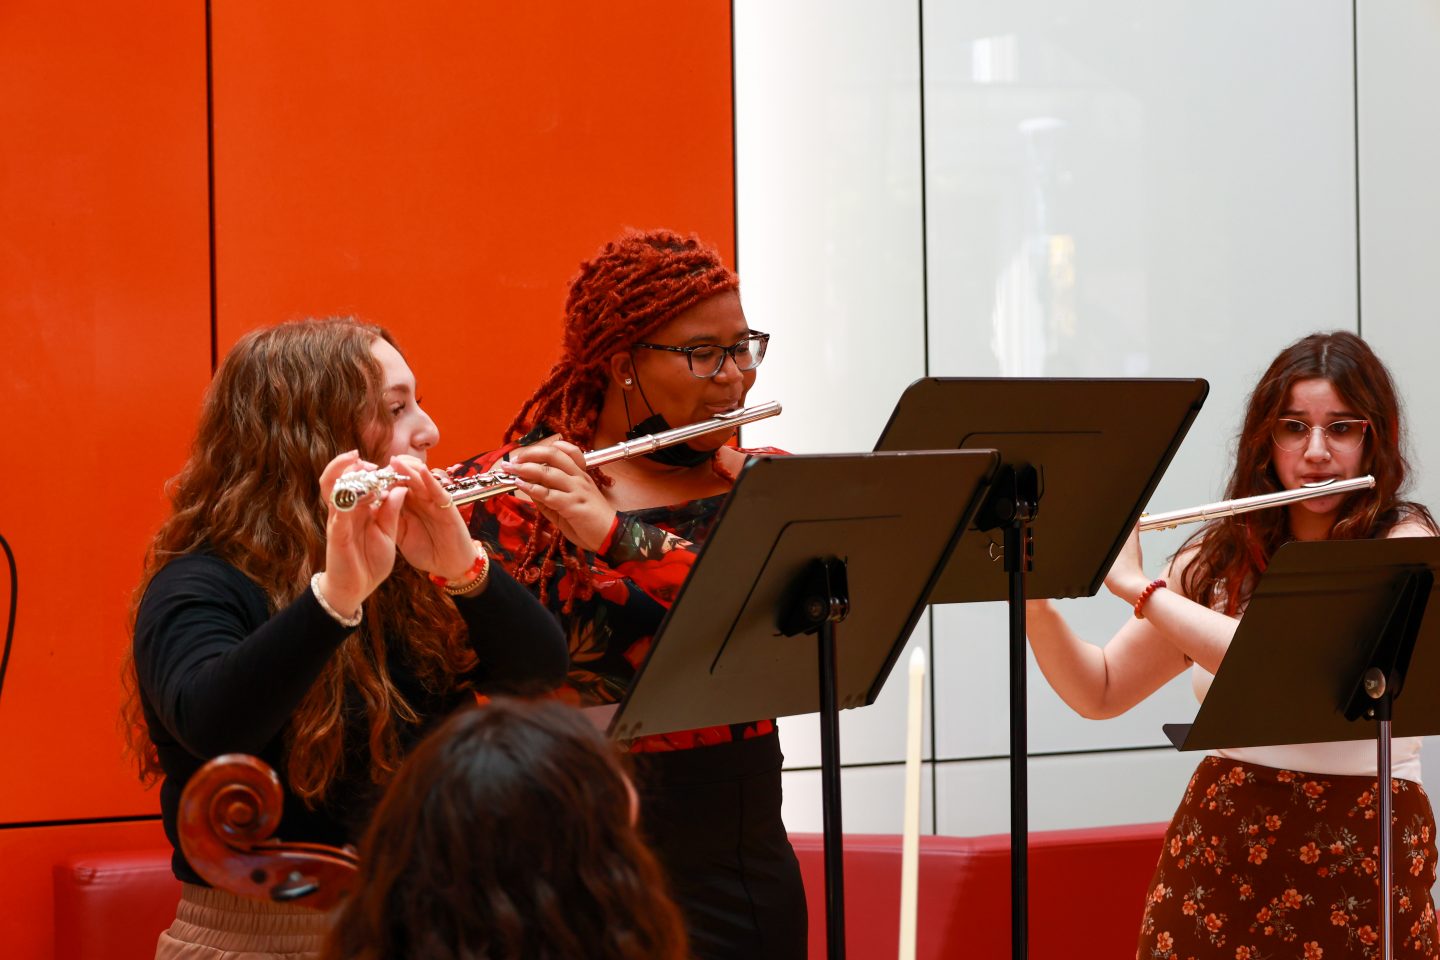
[(680, 455)]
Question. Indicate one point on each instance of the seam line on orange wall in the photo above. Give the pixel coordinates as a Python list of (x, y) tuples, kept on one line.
[(210, 186), (78, 822)]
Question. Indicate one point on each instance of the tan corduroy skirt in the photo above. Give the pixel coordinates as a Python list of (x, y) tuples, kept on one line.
[(1268, 864), (215, 925)]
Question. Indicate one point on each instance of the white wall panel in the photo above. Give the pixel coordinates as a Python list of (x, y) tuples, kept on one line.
[(1135, 188), (1142, 190), (1399, 136), (827, 135), (1398, 67), (1114, 188), (973, 701), (872, 800), (1101, 789)]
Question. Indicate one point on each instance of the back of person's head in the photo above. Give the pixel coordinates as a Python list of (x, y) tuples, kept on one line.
[(632, 287), (509, 835)]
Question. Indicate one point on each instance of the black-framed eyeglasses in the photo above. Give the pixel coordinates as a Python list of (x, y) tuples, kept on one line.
[(706, 359), (1295, 435)]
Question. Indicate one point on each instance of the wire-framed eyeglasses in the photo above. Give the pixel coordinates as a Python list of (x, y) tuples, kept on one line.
[(706, 359), (1295, 435)]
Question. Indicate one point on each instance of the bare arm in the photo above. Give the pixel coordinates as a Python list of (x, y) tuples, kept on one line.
[(1196, 630), (1100, 682), (1192, 629), (1144, 654)]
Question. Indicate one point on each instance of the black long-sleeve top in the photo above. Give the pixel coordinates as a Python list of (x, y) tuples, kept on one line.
[(220, 674)]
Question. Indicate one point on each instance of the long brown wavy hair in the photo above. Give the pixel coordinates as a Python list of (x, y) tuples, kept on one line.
[(285, 401), (1231, 553), (632, 287), (508, 835)]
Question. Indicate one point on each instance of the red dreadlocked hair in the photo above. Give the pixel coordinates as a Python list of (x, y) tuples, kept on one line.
[(634, 286)]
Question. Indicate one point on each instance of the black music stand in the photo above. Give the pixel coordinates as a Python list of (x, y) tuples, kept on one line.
[(1094, 451), (802, 543), (1334, 633)]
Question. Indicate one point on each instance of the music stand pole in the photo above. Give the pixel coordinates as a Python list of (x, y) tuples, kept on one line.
[(830, 798), (821, 600), (1374, 699), (1375, 689), (1387, 853), (1014, 502)]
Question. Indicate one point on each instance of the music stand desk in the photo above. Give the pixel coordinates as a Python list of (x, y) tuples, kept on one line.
[(1079, 461), (802, 543)]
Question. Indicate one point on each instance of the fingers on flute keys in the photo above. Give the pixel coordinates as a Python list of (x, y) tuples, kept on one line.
[(553, 476), (424, 482)]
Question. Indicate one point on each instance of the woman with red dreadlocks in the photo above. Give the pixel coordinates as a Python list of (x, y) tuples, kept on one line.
[(1273, 850), (654, 338)]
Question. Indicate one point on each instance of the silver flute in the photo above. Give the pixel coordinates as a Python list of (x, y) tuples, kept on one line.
[(1229, 508), (352, 487)]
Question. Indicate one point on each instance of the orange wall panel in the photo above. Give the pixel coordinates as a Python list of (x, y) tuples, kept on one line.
[(104, 311), (438, 168), (442, 169)]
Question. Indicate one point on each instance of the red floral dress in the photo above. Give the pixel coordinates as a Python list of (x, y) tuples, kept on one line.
[(636, 576)]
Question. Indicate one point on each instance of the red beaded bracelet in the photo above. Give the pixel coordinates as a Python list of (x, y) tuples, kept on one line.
[(1145, 595), (470, 579)]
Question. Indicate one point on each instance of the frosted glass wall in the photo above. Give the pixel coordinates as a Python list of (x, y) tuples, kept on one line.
[(1045, 188)]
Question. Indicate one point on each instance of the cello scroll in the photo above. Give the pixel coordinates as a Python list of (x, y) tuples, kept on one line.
[(228, 814)]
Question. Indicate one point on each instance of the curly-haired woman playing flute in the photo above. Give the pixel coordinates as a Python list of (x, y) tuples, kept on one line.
[(270, 623), (1272, 851)]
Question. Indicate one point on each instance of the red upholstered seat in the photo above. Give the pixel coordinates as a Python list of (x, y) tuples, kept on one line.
[(1087, 890), (113, 905)]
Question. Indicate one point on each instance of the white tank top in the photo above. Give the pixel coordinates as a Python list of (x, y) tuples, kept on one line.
[(1344, 758)]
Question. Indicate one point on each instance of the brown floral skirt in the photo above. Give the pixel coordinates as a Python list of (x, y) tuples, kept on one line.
[(1264, 864)]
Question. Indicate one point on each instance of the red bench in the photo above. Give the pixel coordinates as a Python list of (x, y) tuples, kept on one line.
[(113, 905), (1087, 892), (1087, 889)]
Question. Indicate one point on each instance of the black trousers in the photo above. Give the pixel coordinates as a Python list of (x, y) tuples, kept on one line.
[(712, 815)]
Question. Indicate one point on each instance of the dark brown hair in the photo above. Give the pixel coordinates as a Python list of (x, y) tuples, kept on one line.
[(285, 401), (634, 286), (1232, 552), (508, 835)]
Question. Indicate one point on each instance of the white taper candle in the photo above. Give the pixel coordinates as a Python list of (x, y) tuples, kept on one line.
[(910, 842)]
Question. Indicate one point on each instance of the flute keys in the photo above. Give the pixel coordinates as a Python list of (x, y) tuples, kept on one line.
[(353, 487)]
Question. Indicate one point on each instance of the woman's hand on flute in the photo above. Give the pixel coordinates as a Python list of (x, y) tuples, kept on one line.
[(1127, 579), (432, 535), (359, 543), (553, 476)]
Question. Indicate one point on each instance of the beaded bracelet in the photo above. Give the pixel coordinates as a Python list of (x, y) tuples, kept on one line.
[(472, 579), (1145, 595), (334, 614)]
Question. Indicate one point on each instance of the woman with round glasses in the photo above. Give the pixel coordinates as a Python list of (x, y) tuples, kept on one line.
[(1273, 850), (654, 338)]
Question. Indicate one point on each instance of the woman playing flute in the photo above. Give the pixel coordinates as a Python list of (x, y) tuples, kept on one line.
[(654, 337), (270, 623), (1271, 852)]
